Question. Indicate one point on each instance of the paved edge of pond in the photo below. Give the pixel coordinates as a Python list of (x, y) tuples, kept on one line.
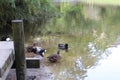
[(42, 73)]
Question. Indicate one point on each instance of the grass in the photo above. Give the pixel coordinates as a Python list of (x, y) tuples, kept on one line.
[(103, 2), (106, 28)]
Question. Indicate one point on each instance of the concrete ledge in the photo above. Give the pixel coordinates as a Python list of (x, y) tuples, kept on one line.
[(6, 64), (6, 58), (6, 45), (31, 63)]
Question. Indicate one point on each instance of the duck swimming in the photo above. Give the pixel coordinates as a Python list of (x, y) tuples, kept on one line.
[(63, 47), (54, 57)]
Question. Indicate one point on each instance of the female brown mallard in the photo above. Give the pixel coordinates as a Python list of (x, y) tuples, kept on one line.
[(54, 57)]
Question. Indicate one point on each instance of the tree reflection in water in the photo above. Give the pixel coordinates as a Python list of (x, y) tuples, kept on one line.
[(76, 62)]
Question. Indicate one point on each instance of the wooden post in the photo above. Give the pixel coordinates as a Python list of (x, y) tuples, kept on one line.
[(20, 62)]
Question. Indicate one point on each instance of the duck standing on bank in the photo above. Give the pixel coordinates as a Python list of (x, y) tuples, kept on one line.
[(36, 49), (54, 57), (5, 38)]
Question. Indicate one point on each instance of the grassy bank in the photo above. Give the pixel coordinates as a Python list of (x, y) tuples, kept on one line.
[(103, 2), (88, 22)]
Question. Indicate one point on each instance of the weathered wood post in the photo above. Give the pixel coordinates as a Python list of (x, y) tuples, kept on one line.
[(20, 62)]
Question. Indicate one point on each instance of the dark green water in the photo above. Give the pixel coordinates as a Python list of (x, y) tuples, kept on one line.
[(89, 37), (84, 60)]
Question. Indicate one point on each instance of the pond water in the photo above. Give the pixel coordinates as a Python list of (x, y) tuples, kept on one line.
[(88, 57), (108, 68), (83, 61)]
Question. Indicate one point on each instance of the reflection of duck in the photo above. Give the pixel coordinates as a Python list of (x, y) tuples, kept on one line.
[(54, 57)]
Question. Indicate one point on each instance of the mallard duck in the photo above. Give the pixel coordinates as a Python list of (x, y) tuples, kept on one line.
[(5, 38), (36, 49), (54, 57), (63, 47)]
